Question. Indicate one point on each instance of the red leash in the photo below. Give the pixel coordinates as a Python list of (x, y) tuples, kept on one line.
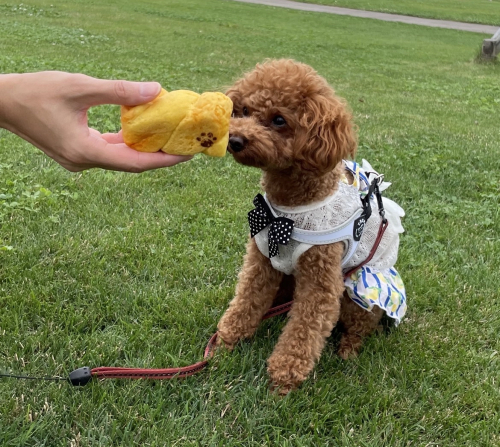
[(83, 375), (110, 372), (158, 374), (383, 226)]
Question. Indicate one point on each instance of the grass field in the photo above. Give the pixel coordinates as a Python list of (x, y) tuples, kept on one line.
[(475, 11), (112, 269)]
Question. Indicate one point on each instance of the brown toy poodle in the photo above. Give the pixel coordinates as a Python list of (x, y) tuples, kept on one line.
[(288, 122)]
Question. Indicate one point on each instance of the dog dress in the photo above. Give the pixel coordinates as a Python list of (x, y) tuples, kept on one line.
[(337, 219)]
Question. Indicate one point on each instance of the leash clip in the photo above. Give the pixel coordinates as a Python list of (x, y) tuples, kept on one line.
[(380, 202), (375, 183)]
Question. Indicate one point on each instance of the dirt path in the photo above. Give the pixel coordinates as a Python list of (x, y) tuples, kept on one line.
[(473, 27)]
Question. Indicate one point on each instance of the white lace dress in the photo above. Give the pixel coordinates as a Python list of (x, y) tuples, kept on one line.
[(377, 283)]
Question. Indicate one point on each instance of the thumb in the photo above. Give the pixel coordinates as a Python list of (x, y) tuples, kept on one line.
[(127, 93)]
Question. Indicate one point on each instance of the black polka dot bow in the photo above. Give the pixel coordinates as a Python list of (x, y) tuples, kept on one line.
[(280, 230)]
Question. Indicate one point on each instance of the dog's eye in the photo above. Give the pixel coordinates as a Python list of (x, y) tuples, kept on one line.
[(279, 121), (245, 111)]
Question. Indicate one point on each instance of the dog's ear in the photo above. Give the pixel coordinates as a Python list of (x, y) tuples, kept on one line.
[(235, 95), (329, 134)]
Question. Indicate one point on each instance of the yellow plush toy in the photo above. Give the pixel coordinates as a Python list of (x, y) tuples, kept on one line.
[(180, 122)]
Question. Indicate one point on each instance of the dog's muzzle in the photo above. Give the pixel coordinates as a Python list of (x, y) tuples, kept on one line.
[(236, 143)]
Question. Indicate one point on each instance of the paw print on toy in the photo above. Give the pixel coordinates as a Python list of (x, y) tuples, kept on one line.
[(207, 140)]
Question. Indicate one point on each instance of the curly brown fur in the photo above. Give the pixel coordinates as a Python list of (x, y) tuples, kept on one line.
[(288, 122), (258, 284), (357, 324), (313, 315)]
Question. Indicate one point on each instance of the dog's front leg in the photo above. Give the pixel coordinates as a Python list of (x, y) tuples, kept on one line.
[(314, 313), (257, 286)]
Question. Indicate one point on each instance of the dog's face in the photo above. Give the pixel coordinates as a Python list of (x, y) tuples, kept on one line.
[(285, 115)]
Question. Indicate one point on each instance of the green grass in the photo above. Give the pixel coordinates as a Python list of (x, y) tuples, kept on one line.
[(475, 11), (104, 268)]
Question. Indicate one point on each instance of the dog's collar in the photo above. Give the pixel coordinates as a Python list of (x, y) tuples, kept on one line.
[(301, 208)]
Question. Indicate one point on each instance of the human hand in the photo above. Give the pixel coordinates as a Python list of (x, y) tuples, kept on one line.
[(49, 110)]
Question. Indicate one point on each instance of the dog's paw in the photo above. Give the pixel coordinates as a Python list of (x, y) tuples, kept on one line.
[(347, 353), (281, 390), (349, 347), (223, 343), (287, 372)]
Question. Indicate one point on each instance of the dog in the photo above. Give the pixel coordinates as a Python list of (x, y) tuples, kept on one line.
[(288, 122)]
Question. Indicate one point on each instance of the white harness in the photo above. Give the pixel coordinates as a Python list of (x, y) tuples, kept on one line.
[(345, 210), (341, 233)]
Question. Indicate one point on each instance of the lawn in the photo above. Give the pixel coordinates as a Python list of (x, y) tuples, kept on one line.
[(475, 11), (112, 269)]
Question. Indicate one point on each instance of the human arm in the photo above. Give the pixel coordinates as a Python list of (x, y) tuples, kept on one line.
[(49, 110)]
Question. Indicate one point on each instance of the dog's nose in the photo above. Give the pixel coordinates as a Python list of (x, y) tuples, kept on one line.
[(236, 143)]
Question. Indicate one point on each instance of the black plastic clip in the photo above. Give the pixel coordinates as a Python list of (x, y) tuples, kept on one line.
[(380, 203), (80, 376)]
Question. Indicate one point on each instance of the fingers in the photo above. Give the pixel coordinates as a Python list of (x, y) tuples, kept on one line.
[(113, 138), (99, 91), (122, 158), (101, 153)]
